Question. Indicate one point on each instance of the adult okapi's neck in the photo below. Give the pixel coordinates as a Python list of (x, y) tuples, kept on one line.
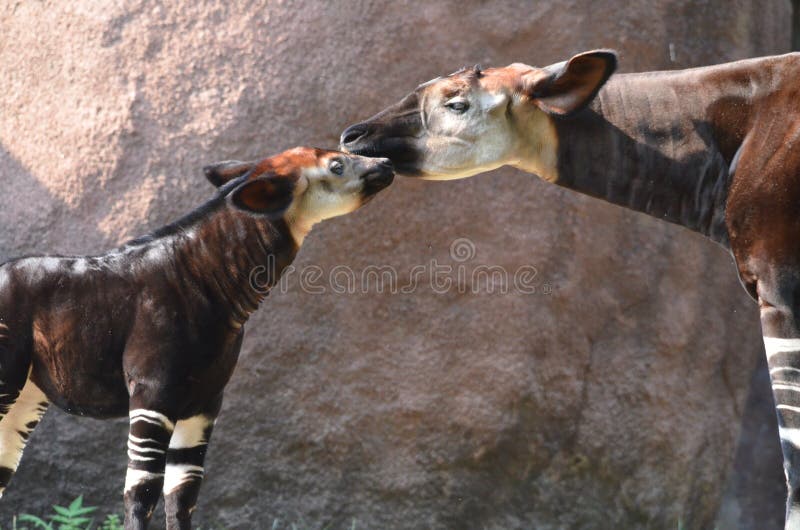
[(660, 143)]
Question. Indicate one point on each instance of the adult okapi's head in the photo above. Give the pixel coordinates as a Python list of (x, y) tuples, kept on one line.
[(303, 185), (475, 120)]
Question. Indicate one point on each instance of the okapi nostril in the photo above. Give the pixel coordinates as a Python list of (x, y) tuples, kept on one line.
[(353, 134)]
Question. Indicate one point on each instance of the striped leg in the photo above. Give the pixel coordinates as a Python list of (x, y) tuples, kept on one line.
[(184, 473), (148, 439), (780, 323), (16, 426)]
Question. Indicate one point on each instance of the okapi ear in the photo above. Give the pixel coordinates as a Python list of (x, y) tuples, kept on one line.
[(270, 196), (564, 88), (224, 172)]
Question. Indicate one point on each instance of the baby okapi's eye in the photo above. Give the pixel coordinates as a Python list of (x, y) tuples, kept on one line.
[(336, 167), (457, 105)]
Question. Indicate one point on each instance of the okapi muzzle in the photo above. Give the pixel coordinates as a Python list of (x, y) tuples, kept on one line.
[(393, 133), (153, 329)]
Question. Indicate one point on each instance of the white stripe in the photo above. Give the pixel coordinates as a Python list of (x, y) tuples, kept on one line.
[(25, 409), (190, 432), (134, 456), (151, 416), (139, 449), (779, 386), (788, 407), (784, 369), (141, 440), (137, 476), (774, 345), (790, 435), (178, 474)]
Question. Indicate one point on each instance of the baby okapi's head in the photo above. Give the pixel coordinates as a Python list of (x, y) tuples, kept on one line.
[(475, 120), (303, 185)]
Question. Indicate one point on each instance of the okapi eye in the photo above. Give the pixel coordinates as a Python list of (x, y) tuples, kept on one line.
[(457, 106), (336, 167)]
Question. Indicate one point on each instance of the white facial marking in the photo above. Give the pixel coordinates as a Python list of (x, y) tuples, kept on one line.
[(29, 407), (151, 416), (324, 197), (190, 432), (775, 345), (178, 474), (134, 477)]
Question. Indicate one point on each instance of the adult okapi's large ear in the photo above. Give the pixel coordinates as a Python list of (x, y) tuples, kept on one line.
[(270, 196), (567, 87), (224, 172)]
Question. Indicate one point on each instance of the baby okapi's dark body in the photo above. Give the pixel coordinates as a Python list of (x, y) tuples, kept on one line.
[(153, 329), (170, 307), (715, 149)]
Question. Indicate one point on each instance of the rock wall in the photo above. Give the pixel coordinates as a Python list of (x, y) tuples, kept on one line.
[(623, 393)]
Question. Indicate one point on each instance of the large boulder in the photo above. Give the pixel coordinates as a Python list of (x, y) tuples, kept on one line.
[(612, 396)]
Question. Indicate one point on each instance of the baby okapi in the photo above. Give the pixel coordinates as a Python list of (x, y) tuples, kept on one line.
[(714, 149), (153, 329)]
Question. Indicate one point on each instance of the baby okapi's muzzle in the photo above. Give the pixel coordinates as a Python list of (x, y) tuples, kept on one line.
[(379, 176)]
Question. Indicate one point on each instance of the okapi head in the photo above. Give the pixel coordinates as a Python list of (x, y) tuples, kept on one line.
[(475, 120), (304, 185)]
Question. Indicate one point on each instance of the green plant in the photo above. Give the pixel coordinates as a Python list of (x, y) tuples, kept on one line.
[(76, 516)]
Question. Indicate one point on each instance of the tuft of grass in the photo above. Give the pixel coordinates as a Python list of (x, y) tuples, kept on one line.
[(78, 516), (75, 516)]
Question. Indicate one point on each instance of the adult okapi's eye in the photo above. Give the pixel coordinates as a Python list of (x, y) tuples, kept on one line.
[(457, 105), (336, 167)]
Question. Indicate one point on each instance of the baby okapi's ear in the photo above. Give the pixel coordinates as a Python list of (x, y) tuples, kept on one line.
[(270, 196), (567, 87), (224, 172)]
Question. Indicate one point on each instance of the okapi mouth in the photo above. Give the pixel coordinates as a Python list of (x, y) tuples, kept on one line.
[(401, 151), (394, 134), (378, 179)]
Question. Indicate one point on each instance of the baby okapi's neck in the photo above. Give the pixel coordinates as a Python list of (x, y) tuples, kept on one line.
[(661, 143), (226, 257)]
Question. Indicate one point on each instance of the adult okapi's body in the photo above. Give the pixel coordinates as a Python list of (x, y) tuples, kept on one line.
[(153, 329), (715, 149)]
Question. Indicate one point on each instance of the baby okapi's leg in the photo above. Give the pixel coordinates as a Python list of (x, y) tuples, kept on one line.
[(148, 439), (780, 322), (184, 472), (18, 421)]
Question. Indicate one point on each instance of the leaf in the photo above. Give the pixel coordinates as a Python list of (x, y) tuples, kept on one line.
[(36, 521), (77, 503)]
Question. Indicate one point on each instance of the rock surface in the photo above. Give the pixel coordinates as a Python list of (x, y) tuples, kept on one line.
[(623, 393)]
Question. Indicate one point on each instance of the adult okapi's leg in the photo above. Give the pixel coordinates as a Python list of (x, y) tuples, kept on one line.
[(150, 431), (20, 418), (779, 297), (184, 471)]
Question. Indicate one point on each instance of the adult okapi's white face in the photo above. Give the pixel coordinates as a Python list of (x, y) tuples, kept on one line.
[(475, 120)]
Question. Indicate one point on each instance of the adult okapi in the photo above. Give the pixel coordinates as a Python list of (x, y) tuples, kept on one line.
[(714, 149), (153, 329)]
